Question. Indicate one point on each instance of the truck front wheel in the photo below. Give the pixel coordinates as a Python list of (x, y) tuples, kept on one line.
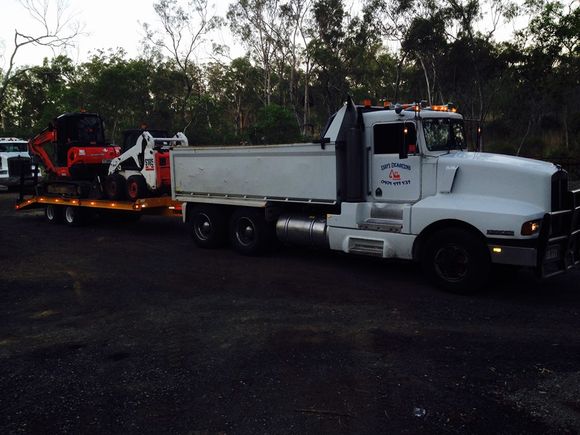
[(250, 234), (456, 260), (208, 226)]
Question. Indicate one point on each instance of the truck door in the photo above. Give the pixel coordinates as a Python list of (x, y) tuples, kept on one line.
[(393, 178)]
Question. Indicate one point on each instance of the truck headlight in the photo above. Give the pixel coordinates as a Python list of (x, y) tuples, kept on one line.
[(531, 227)]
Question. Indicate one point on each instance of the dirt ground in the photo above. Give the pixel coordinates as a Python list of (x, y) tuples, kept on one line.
[(132, 329)]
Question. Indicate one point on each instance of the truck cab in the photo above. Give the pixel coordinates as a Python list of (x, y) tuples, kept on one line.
[(421, 181)]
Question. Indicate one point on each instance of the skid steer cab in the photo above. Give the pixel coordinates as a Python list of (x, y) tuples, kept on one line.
[(73, 147), (143, 169)]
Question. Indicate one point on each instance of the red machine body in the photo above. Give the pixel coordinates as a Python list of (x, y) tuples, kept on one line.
[(74, 147)]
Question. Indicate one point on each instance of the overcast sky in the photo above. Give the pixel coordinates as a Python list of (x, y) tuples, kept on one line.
[(107, 24)]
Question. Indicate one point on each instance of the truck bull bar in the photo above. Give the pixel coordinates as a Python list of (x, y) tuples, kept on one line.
[(560, 238)]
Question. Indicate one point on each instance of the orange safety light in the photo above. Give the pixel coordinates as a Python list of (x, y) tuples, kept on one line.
[(367, 102)]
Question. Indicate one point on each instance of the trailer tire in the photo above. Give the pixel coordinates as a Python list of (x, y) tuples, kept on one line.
[(456, 260), (250, 233), (136, 187), (115, 186), (54, 214), (74, 216), (208, 226)]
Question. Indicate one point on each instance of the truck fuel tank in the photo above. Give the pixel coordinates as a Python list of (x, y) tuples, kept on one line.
[(302, 230)]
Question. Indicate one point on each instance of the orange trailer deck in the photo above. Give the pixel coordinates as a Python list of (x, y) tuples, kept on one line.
[(162, 206)]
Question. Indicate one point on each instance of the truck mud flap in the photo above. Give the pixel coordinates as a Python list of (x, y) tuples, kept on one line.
[(560, 238)]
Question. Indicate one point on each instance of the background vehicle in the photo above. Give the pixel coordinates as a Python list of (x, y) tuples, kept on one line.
[(14, 159)]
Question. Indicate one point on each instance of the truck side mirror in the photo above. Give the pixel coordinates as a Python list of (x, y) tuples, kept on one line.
[(409, 142)]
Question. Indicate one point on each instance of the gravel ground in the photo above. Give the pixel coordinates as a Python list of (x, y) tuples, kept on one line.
[(131, 329)]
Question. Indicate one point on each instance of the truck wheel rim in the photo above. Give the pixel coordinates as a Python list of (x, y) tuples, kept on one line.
[(245, 232), (452, 263), (202, 226), (69, 214)]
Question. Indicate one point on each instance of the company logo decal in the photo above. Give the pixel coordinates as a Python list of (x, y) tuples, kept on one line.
[(149, 165), (398, 174)]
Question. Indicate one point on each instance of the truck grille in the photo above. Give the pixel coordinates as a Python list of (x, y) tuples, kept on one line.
[(560, 194), (17, 164)]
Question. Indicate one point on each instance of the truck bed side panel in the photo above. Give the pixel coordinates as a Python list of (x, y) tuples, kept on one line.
[(295, 173)]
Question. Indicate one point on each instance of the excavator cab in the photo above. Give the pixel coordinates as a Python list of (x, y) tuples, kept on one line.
[(74, 147)]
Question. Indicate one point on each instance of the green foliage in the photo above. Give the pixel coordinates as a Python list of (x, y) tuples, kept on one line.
[(275, 124)]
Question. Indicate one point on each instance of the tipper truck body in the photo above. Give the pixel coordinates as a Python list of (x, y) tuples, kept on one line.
[(391, 182)]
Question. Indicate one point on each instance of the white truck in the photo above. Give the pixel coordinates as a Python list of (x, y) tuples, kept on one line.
[(14, 158), (393, 182)]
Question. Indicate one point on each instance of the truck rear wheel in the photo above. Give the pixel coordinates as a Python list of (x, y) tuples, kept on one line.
[(115, 186), (456, 260), (53, 214), (74, 216), (136, 187), (208, 226), (250, 234)]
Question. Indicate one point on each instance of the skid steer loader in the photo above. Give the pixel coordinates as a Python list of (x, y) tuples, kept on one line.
[(143, 169)]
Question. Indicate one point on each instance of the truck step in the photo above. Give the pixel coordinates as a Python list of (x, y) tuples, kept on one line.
[(359, 246), (384, 225)]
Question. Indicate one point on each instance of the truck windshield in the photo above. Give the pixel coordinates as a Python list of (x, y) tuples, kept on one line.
[(13, 147), (443, 134)]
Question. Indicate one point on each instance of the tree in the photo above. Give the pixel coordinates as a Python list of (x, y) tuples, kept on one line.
[(257, 24), (57, 31), (184, 29)]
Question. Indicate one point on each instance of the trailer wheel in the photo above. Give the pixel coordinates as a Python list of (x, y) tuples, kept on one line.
[(74, 216), (53, 214), (115, 186), (456, 260), (136, 187), (250, 234), (208, 226)]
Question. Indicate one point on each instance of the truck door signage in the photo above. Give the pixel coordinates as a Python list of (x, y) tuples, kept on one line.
[(398, 174), (149, 165)]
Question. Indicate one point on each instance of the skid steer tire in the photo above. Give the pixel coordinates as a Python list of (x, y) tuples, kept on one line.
[(115, 186), (136, 187)]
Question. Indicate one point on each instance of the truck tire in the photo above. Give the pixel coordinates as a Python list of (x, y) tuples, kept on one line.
[(74, 216), (54, 214), (136, 187), (456, 260), (250, 234), (115, 186), (208, 226)]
